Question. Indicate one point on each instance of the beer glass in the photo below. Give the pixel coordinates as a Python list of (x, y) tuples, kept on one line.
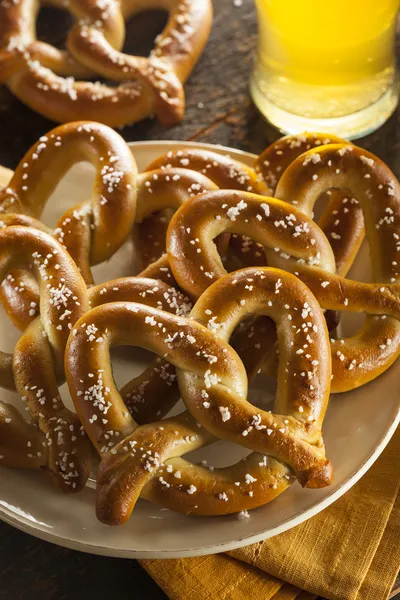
[(326, 65)]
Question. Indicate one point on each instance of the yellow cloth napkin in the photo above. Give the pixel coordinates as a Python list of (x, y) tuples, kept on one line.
[(350, 551)]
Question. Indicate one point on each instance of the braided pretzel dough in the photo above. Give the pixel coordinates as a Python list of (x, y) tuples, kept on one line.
[(145, 459), (304, 250), (37, 361), (42, 77)]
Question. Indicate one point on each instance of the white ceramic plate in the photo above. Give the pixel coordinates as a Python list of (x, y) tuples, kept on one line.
[(357, 427)]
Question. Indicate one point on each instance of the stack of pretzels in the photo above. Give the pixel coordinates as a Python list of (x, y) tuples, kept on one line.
[(237, 277), (60, 84)]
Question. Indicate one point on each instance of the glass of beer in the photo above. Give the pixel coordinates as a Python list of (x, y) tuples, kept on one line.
[(326, 65)]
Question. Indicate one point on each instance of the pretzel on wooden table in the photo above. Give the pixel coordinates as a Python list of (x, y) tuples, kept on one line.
[(42, 76), (36, 364), (146, 460), (294, 242)]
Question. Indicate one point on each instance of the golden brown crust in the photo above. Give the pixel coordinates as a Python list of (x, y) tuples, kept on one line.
[(37, 360), (43, 77), (222, 170), (91, 231), (140, 460), (298, 245)]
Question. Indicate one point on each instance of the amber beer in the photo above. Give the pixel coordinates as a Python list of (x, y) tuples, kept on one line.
[(326, 64)]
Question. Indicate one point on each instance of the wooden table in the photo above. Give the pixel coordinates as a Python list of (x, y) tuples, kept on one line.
[(218, 110)]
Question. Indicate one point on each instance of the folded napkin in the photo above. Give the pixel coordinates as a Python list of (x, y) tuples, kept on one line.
[(349, 551)]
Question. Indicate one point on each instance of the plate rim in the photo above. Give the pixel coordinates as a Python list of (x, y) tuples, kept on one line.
[(23, 524)]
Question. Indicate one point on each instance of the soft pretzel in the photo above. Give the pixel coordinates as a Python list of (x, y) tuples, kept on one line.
[(296, 243), (155, 190), (148, 396), (108, 216), (340, 207), (341, 210), (224, 171), (37, 360), (376, 346), (145, 460), (91, 231), (43, 77)]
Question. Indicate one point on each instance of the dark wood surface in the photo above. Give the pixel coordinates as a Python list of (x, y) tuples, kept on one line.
[(219, 110)]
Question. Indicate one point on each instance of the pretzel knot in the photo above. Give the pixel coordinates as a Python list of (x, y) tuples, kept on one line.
[(296, 243), (145, 460), (211, 167), (91, 231), (37, 361), (42, 76)]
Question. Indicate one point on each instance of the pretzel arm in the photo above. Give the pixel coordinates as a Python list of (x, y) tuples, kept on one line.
[(275, 159), (19, 292), (157, 79), (152, 394), (282, 229), (224, 171), (157, 190), (37, 361), (213, 486)]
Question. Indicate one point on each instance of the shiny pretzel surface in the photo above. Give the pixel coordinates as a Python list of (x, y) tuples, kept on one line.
[(36, 366), (213, 384), (43, 77), (271, 317), (294, 242)]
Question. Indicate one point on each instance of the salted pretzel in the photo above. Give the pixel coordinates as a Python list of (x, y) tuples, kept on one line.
[(224, 171), (148, 397), (340, 207), (91, 231), (340, 210), (43, 77), (36, 364), (294, 242), (146, 460)]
